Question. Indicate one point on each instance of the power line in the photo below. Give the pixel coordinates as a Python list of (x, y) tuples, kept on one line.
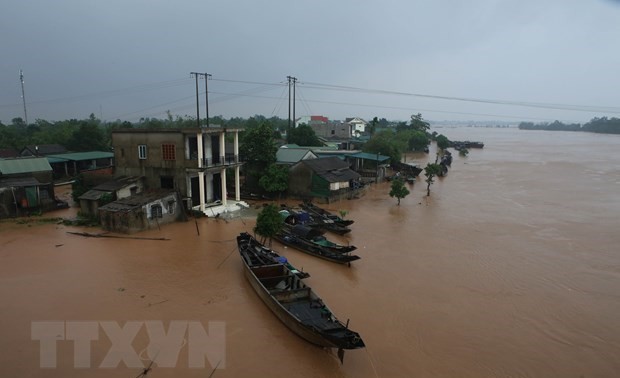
[(588, 108)]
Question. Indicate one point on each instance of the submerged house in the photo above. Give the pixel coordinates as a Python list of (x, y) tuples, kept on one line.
[(26, 186), (142, 211), (324, 179), (112, 190), (194, 162)]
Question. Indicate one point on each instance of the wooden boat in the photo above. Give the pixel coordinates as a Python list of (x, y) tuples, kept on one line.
[(320, 212), (296, 304), (316, 236), (296, 216), (262, 255), (300, 237)]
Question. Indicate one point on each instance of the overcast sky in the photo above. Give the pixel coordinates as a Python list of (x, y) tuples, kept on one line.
[(132, 58)]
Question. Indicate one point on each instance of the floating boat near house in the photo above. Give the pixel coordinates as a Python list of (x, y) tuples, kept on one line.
[(295, 303)]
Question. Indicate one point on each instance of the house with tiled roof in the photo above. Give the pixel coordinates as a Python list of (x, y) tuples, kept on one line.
[(322, 179)]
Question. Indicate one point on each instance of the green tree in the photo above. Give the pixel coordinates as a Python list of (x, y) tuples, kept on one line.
[(463, 152), (442, 141), (258, 150), (89, 137), (385, 143), (418, 123), (275, 179), (268, 222), (416, 140), (430, 171), (398, 189), (303, 135)]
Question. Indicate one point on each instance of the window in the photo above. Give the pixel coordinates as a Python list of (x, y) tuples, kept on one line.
[(142, 151), (171, 206), (166, 182), (156, 211), (168, 152)]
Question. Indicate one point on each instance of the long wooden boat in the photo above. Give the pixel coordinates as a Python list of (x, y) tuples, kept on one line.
[(316, 236), (320, 212), (297, 236), (296, 216), (262, 255), (296, 304)]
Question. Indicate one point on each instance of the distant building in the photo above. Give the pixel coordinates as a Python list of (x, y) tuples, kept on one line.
[(8, 153), (290, 156), (73, 163), (312, 121), (42, 150), (116, 189), (324, 179), (142, 211), (192, 161), (26, 186), (357, 126)]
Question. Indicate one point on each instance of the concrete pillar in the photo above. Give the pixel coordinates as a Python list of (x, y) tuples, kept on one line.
[(200, 149), (236, 149), (223, 176), (237, 185), (201, 188), (223, 147)]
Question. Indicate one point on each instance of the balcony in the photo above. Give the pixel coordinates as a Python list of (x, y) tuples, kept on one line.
[(218, 161)]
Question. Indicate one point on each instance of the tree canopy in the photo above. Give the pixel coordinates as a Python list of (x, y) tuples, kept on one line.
[(398, 189), (275, 179), (303, 135), (268, 222), (430, 171)]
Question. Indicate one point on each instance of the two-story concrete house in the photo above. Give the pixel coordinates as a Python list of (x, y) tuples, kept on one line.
[(191, 161)]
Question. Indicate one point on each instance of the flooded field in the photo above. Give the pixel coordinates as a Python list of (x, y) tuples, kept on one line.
[(511, 268)]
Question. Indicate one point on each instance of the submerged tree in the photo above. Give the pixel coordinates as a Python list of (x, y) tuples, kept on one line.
[(430, 171), (275, 179), (398, 189), (268, 222)]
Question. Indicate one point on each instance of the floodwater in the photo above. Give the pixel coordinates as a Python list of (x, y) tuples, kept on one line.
[(510, 269)]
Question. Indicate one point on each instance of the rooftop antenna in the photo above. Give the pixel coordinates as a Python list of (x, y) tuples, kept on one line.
[(21, 78)]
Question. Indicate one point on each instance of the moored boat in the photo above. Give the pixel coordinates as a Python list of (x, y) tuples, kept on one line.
[(296, 304), (300, 237), (262, 255), (320, 212)]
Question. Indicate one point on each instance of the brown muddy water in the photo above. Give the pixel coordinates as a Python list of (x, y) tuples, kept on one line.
[(510, 269)]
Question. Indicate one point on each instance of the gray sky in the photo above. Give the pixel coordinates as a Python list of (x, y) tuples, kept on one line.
[(132, 58)]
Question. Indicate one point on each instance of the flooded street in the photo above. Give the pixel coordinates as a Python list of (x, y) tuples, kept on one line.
[(511, 268)]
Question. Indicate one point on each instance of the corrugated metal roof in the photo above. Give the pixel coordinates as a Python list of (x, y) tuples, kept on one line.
[(367, 156), (19, 182), (79, 156), (24, 165), (292, 155)]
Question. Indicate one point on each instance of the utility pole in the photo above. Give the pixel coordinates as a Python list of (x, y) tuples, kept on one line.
[(21, 79), (195, 74), (294, 98), (206, 76), (289, 80)]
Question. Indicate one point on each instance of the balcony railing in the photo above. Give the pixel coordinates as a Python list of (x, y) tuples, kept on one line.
[(216, 161)]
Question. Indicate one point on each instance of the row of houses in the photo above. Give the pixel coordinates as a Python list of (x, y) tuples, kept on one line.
[(158, 175), (353, 127)]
